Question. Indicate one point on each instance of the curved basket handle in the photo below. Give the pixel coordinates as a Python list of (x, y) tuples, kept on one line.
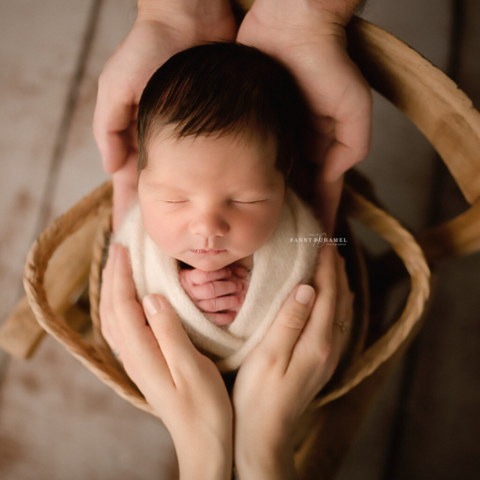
[(441, 111), (401, 331)]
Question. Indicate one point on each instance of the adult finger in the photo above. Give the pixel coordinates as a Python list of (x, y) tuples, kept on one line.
[(342, 324), (112, 117), (328, 200), (106, 302), (167, 327), (124, 190), (135, 338), (353, 130), (283, 334), (319, 328)]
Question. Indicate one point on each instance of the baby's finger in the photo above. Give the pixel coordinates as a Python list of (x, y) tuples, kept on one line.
[(239, 271), (221, 318), (218, 304), (216, 289), (200, 277)]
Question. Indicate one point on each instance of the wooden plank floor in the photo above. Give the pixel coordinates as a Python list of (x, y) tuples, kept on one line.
[(35, 79), (57, 420)]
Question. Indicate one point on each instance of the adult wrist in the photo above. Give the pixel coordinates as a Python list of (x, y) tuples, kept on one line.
[(264, 461), (205, 457), (339, 12), (320, 16)]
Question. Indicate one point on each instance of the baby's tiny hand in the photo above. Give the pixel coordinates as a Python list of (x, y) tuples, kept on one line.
[(219, 294)]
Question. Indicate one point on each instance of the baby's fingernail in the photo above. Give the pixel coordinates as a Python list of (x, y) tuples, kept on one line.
[(304, 294), (152, 304)]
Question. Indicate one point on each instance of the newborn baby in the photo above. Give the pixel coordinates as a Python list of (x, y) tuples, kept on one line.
[(216, 227)]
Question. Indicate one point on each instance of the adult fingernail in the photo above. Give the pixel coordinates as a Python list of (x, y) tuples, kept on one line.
[(304, 294), (152, 304)]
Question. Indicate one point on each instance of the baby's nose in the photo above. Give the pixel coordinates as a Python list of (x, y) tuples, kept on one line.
[(209, 225)]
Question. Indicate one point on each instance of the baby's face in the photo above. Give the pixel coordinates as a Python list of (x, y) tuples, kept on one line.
[(210, 201)]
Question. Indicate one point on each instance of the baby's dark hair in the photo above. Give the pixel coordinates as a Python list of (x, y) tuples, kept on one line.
[(224, 88)]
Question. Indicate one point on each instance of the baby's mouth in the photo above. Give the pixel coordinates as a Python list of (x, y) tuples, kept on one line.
[(208, 252)]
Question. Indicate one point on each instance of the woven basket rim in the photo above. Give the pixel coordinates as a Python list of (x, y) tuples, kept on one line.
[(99, 359)]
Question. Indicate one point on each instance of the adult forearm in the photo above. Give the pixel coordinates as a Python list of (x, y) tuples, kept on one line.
[(202, 9), (207, 461), (340, 10), (317, 16), (264, 462)]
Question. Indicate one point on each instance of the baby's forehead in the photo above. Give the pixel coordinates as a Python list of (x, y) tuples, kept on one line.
[(213, 153), (192, 185), (255, 137)]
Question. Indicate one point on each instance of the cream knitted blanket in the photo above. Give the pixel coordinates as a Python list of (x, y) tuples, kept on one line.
[(288, 258)]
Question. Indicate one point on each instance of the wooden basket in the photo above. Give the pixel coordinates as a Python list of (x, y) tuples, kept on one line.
[(446, 117)]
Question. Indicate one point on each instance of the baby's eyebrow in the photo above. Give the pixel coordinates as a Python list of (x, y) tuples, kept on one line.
[(247, 189), (263, 187), (163, 185)]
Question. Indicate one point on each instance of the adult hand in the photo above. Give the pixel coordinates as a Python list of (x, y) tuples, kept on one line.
[(162, 28), (282, 375), (309, 38), (218, 294), (183, 386)]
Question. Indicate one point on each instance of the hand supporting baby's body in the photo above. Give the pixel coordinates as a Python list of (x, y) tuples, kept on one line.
[(219, 294)]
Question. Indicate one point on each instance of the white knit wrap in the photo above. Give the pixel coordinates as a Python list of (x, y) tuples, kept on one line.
[(288, 258)]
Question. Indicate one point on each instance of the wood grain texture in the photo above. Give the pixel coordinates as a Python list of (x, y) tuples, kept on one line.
[(34, 82)]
